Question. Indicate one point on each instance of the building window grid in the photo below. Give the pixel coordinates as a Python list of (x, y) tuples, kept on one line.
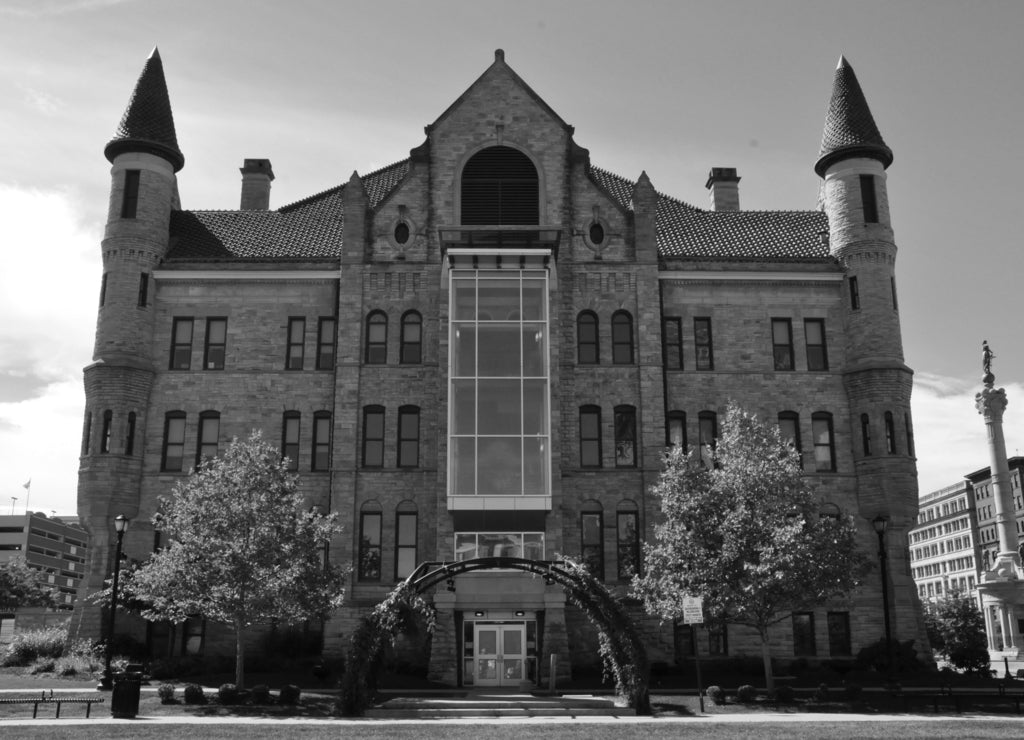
[(296, 347), (782, 344)]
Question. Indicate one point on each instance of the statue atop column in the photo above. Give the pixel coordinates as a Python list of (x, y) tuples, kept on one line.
[(987, 355)]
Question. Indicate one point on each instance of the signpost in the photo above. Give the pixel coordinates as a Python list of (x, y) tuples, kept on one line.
[(693, 614)]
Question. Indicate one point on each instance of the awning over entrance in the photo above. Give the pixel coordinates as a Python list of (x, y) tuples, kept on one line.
[(517, 239)]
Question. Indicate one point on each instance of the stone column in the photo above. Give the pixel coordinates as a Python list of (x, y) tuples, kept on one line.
[(991, 403)]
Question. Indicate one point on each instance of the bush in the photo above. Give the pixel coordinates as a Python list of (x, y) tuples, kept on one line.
[(715, 694), (746, 693), (164, 668), (227, 694), (28, 647), (821, 693), (782, 694), (260, 694), (289, 695), (78, 664), (194, 694), (166, 693), (43, 665), (875, 656)]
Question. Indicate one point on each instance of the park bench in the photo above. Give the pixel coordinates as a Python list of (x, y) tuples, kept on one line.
[(959, 701), (51, 699)]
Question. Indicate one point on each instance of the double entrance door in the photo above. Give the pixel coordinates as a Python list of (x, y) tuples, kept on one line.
[(500, 654)]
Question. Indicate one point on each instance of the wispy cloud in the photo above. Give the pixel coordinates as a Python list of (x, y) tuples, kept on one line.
[(50, 8), (42, 101)]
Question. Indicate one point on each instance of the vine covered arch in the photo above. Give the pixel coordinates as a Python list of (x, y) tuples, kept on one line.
[(621, 648)]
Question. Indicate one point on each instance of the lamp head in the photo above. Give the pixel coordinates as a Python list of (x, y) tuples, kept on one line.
[(120, 523), (880, 523)]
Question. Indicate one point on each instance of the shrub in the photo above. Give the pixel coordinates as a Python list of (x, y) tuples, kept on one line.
[(260, 694), (782, 694), (78, 664), (227, 694), (746, 693), (43, 665), (166, 693), (821, 693), (28, 647), (289, 695), (164, 668), (194, 694), (715, 694)]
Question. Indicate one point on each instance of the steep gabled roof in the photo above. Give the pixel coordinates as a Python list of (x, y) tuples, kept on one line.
[(850, 129), (147, 124)]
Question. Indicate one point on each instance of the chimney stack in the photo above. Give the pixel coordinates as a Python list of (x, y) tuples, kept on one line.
[(724, 184), (257, 175)]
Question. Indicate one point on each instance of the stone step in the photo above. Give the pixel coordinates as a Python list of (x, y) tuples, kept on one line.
[(493, 705), (496, 713)]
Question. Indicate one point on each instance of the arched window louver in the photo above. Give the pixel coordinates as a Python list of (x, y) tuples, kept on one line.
[(500, 188)]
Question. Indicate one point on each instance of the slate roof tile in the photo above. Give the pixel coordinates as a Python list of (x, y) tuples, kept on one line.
[(850, 129)]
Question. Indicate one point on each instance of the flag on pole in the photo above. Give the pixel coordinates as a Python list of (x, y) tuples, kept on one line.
[(27, 485)]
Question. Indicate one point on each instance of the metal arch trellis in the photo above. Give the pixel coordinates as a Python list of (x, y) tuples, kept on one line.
[(429, 574)]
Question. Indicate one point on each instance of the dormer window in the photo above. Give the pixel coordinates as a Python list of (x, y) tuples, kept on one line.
[(500, 188)]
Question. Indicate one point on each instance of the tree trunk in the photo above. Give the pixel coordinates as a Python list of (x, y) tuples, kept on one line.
[(239, 654), (766, 656)]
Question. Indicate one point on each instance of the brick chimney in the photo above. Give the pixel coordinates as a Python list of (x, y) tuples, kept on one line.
[(724, 184), (257, 175)]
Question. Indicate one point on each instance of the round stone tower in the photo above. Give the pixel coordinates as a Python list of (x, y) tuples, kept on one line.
[(144, 156)]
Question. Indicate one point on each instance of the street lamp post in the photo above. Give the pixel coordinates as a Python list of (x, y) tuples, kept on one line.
[(881, 523), (120, 525)]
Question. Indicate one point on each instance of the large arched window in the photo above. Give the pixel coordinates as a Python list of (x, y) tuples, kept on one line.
[(500, 188)]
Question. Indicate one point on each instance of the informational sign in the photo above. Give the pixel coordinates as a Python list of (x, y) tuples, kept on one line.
[(693, 610)]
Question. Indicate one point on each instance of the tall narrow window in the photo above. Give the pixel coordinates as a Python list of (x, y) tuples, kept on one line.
[(325, 338), (625, 437), (214, 350), (87, 433), (107, 431), (181, 343), (672, 342), (622, 338), (590, 436), (411, 350), (405, 541), (817, 354), (290, 438), (628, 536), (702, 343), (408, 436), (296, 349), (869, 199), (209, 434), (789, 429), (321, 441), (376, 338), (130, 202), (143, 289), (865, 434), (587, 344), (369, 546), (910, 434), (103, 288), (803, 634), (854, 293), (839, 633), (718, 638), (676, 430), (824, 442), (373, 437), (708, 426), (890, 434), (129, 435), (592, 542), (174, 442), (782, 344), (892, 289)]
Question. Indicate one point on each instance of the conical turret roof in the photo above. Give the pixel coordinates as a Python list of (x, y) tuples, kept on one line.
[(850, 130), (147, 124)]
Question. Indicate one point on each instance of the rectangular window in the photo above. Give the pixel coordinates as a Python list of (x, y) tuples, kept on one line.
[(130, 202), (817, 354), (321, 441), (684, 640), (622, 338), (209, 432), (103, 288), (869, 199), (369, 547), (782, 344), (290, 439), (824, 442), (469, 545), (143, 289), (373, 437), (702, 343), (181, 343), (408, 437), (854, 293), (718, 638), (296, 343), (708, 427), (405, 544), (892, 288), (672, 338), (325, 339), (587, 346), (590, 437), (107, 431), (628, 536), (174, 442), (216, 343), (129, 435), (411, 349), (677, 429), (193, 636), (592, 542), (803, 634), (789, 429), (625, 437)]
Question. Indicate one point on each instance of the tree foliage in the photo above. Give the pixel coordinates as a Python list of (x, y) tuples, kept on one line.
[(956, 628), (242, 550), (20, 586), (745, 533)]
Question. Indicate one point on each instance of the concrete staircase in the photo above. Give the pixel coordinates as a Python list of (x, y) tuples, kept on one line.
[(495, 704)]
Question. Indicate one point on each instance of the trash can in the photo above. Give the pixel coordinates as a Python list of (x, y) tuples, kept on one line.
[(124, 699)]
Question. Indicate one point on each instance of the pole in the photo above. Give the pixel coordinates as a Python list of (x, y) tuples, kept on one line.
[(107, 682), (883, 558), (696, 660)]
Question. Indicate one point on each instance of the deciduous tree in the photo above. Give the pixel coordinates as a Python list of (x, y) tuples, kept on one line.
[(745, 533), (20, 586), (956, 628)]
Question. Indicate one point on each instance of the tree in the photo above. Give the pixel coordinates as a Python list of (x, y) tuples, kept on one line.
[(745, 534), (956, 628), (20, 586), (242, 550)]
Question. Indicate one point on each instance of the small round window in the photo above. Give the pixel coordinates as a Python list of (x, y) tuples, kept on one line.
[(402, 232), (596, 233)]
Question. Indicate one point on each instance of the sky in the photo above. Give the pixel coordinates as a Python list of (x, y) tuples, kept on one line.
[(673, 88)]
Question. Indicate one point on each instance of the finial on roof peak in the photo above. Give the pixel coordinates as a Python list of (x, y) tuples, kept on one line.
[(155, 54), (499, 55), (842, 62)]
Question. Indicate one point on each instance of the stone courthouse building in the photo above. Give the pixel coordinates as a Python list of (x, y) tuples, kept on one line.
[(484, 349)]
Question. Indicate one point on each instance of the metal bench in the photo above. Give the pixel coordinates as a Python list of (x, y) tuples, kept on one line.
[(51, 699)]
